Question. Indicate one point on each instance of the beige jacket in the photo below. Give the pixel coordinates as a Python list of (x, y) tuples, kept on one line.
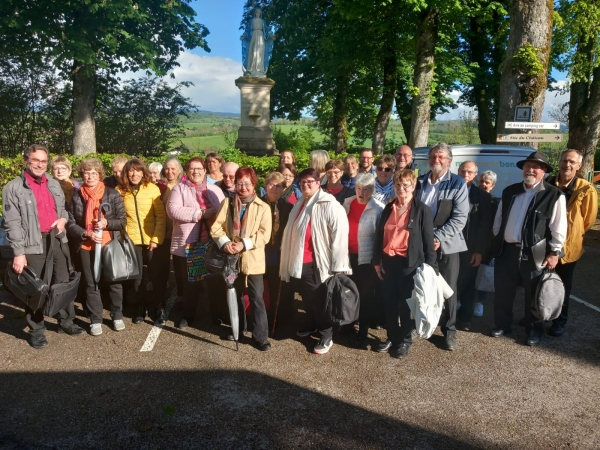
[(258, 233)]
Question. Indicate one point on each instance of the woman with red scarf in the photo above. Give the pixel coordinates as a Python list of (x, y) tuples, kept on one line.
[(192, 206), (83, 222), (243, 225)]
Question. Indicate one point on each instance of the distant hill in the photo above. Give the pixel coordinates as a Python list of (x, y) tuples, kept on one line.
[(220, 114)]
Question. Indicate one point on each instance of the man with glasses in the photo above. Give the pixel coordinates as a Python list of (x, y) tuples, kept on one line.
[(34, 205), (404, 158), (366, 161), (447, 196), (227, 184)]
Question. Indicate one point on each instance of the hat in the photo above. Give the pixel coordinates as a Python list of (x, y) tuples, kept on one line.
[(538, 157)]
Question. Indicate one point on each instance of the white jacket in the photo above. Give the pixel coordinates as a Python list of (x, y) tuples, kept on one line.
[(427, 300), (367, 227), (329, 226)]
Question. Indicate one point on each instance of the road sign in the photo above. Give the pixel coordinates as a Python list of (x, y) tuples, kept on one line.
[(533, 125), (529, 138), (523, 113)]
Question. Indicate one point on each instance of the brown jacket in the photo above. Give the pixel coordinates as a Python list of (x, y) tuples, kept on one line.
[(582, 209), (258, 233)]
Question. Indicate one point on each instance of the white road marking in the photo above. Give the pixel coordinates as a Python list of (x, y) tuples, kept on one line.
[(589, 305), (156, 329)]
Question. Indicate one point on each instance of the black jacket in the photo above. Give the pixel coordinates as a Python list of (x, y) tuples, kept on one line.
[(116, 217), (273, 250), (420, 241), (478, 229), (343, 194)]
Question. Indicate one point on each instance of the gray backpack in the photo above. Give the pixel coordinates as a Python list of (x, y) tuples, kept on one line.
[(549, 296)]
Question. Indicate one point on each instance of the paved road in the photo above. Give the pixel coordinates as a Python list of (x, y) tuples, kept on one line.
[(194, 391)]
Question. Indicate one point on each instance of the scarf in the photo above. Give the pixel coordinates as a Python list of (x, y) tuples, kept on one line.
[(68, 189), (240, 218), (384, 193), (201, 192), (93, 199), (275, 228)]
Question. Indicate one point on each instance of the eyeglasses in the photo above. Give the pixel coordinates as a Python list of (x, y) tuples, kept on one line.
[(403, 156), (243, 185), (59, 169), (42, 162), (405, 186), (274, 186), (229, 177), (196, 169), (93, 174), (384, 169), (307, 182), (333, 172)]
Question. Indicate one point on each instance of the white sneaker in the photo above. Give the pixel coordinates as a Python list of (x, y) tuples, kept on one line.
[(96, 329), (323, 346), (118, 325), (478, 310)]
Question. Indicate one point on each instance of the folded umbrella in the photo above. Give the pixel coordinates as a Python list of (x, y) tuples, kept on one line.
[(230, 273), (98, 251)]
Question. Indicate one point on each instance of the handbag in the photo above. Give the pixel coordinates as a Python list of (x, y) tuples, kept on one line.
[(119, 259), (195, 254), (484, 281), (27, 287), (216, 259), (549, 296)]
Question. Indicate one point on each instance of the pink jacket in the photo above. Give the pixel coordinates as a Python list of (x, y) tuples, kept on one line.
[(183, 208)]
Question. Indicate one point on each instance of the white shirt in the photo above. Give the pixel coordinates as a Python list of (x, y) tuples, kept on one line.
[(431, 192), (518, 212)]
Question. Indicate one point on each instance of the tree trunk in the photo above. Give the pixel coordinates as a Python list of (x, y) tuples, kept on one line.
[(403, 108), (84, 97), (525, 71), (340, 115), (390, 73), (427, 34)]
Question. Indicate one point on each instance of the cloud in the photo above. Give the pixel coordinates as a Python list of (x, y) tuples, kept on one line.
[(553, 98)]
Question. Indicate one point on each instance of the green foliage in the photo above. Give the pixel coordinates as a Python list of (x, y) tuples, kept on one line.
[(527, 59)]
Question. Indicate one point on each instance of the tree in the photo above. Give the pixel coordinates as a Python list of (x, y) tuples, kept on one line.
[(142, 117), (114, 36), (525, 71), (577, 49)]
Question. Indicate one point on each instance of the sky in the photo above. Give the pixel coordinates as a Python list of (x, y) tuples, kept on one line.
[(214, 73)]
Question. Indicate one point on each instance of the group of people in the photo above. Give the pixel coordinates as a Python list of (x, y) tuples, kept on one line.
[(377, 221)]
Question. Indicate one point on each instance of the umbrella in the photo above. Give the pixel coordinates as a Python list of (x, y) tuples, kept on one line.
[(230, 273), (276, 307), (106, 207)]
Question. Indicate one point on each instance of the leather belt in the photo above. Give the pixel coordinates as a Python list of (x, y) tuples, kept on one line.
[(516, 244)]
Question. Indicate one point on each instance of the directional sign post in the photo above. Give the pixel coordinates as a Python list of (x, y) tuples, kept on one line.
[(532, 125), (529, 138)]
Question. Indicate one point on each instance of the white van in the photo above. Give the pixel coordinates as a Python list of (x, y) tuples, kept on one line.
[(501, 159)]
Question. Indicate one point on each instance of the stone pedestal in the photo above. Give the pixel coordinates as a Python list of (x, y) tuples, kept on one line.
[(255, 136)]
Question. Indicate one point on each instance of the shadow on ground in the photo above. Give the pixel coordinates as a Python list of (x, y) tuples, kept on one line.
[(192, 409)]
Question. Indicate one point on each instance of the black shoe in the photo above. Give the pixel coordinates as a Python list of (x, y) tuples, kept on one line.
[(71, 330), (451, 342), (463, 326), (38, 340), (161, 316), (384, 347), (182, 324), (499, 332), (533, 340), (264, 346), (378, 327), (141, 315), (401, 351), (556, 330)]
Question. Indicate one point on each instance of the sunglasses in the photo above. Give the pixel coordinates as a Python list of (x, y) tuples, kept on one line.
[(384, 169)]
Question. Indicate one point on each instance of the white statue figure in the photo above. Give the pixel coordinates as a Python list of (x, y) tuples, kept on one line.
[(257, 46)]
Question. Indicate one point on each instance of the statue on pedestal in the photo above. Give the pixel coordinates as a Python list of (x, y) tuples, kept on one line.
[(257, 46)]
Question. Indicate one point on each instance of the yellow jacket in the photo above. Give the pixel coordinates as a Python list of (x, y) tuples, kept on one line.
[(582, 210), (146, 217), (258, 233)]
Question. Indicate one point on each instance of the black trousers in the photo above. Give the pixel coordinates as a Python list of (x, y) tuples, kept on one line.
[(60, 273), (192, 290), (162, 254), (398, 284), (93, 296), (449, 266), (364, 276), (565, 272), (314, 300), (466, 287), (137, 288), (260, 330), (286, 296), (510, 269)]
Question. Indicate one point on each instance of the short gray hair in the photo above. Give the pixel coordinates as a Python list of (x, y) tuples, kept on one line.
[(572, 150), (440, 147), (489, 175), (155, 165), (366, 180), (469, 162)]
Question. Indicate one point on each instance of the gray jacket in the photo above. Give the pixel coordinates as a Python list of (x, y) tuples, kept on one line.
[(21, 220)]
